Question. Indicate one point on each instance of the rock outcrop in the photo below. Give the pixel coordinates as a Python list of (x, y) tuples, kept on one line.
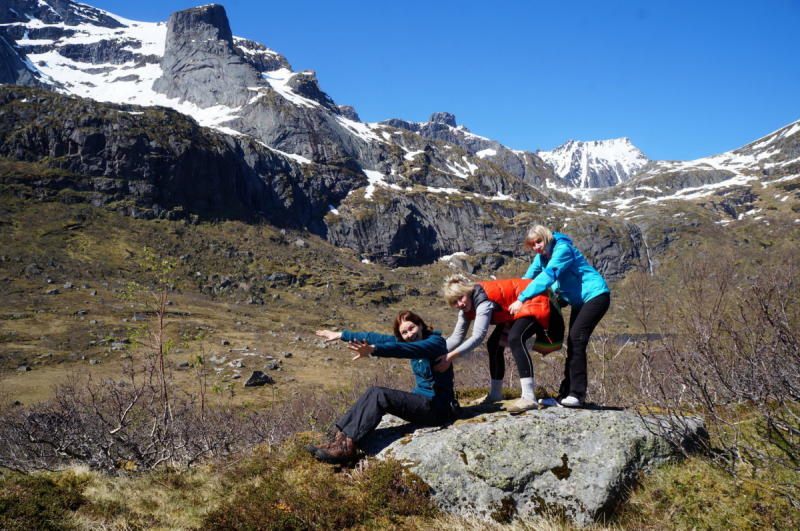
[(200, 62), (154, 163), (494, 466), (443, 126)]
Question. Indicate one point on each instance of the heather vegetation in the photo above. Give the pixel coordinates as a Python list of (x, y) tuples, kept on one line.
[(710, 331)]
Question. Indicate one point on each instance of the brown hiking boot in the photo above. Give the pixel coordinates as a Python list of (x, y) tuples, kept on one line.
[(341, 450)]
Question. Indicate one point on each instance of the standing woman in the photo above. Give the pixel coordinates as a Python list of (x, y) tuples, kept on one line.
[(486, 303), (432, 402), (558, 264)]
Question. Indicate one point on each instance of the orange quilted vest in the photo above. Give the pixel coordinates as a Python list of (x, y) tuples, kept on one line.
[(505, 293)]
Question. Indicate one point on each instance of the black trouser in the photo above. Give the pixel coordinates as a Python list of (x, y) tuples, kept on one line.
[(521, 330), (581, 325), (365, 415)]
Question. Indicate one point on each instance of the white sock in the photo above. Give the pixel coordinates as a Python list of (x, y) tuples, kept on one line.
[(497, 390), (528, 390)]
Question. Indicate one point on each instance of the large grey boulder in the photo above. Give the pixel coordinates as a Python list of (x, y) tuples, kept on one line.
[(494, 466)]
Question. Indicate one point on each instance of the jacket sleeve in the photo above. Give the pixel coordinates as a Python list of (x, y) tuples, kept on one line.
[(429, 349), (561, 259), (370, 337), (483, 317), (535, 267), (459, 332)]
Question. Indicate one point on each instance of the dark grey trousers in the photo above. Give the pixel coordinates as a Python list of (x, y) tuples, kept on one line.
[(365, 415)]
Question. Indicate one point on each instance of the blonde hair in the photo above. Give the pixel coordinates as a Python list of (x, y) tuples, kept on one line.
[(542, 232), (456, 286)]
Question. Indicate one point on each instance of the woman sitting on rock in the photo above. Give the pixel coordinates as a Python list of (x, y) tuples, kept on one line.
[(432, 402), (487, 303), (559, 264)]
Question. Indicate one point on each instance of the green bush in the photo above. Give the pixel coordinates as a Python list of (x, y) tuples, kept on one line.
[(39, 502), (290, 490)]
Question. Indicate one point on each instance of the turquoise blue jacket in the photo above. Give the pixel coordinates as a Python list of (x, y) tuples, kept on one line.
[(422, 354), (565, 270)]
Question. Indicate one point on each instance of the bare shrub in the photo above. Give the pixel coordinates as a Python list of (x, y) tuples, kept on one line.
[(730, 352), (144, 420)]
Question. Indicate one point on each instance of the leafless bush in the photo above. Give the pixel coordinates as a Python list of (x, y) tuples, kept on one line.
[(731, 353), (144, 420), (107, 426)]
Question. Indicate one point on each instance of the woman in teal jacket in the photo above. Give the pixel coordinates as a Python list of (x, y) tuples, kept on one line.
[(432, 402), (558, 264)]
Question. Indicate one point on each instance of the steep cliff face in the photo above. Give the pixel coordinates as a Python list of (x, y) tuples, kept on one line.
[(200, 63), (154, 162), (14, 69)]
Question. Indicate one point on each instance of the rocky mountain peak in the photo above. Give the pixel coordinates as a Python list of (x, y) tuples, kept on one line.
[(209, 22), (443, 118), (306, 84), (200, 62)]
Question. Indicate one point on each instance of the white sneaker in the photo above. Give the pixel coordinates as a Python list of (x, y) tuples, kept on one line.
[(548, 402), (571, 401)]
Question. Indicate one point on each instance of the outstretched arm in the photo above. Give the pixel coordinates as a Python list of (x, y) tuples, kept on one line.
[(329, 335), (363, 348), (483, 318)]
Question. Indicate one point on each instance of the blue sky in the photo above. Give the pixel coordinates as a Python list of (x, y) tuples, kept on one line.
[(681, 79)]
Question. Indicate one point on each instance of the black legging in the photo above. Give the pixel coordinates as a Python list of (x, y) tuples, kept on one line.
[(521, 330), (581, 325)]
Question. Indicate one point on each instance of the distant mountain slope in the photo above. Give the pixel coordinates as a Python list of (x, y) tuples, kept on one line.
[(442, 126), (598, 164), (773, 157)]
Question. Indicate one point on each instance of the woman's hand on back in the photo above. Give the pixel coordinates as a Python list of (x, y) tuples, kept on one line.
[(515, 308), (443, 362)]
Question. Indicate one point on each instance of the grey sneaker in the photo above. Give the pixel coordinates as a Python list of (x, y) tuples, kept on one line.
[(485, 400), (523, 404), (549, 402), (571, 401)]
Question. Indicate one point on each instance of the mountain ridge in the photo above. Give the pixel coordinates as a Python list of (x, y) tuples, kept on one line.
[(398, 192)]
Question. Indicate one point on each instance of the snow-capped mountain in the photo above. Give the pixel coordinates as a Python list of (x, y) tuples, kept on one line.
[(398, 192), (597, 164)]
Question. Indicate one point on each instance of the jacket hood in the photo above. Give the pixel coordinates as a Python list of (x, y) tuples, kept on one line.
[(558, 237)]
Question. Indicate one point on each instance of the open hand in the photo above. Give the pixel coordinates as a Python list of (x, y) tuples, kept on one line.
[(515, 308), (363, 348), (329, 335)]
